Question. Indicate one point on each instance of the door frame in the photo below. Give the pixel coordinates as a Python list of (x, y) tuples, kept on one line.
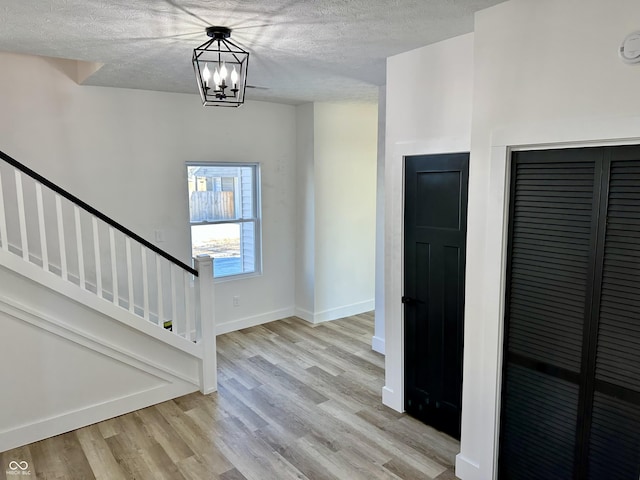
[(393, 390), (553, 136)]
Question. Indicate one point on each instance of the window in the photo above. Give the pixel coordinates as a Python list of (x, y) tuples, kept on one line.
[(224, 211)]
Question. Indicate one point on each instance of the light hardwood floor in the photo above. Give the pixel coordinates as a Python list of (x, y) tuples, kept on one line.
[(294, 401)]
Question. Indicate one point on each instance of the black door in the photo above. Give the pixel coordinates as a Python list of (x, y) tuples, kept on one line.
[(434, 250), (571, 380)]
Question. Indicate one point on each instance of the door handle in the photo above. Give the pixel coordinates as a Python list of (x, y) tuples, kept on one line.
[(410, 300)]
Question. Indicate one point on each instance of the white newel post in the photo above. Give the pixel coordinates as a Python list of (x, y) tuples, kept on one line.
[(208, 371)]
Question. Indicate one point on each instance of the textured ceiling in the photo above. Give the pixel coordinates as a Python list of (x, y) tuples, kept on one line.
[(301, 50)]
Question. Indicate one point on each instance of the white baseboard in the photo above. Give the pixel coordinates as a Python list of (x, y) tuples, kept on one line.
[(335, 313), (377, 344), (345, 311), (305, 315), (467, 469), (391, 400), (249, 322), (50, 427)]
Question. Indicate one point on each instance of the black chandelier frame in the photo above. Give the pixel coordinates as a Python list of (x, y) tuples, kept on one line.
[(220, 52)]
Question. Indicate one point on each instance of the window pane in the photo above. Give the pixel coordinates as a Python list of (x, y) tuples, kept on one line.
[(248, 246), (220, 192), (246, 189), (221, 242)]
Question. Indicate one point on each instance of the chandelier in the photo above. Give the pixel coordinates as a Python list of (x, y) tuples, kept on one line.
[(221, 69)]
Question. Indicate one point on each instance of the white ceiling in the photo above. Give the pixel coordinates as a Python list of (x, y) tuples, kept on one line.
[(301, 50)]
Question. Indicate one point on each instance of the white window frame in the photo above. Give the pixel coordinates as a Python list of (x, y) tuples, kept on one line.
[(256, 219)]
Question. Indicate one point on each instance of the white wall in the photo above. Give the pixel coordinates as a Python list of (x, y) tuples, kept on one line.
[(546, 73), (345, 144), (124, 152), (429, 97), (335, 273)]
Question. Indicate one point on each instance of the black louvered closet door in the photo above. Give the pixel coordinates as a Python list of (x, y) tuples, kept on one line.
[(614, 441), (571, 377)]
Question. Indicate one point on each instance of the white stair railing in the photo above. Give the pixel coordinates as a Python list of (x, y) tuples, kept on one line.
[(50, 228)]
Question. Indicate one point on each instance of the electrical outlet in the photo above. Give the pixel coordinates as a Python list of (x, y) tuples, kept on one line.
[(236, 301)]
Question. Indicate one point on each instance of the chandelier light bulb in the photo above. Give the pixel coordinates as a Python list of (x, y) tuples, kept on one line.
[(223, 71), (234, 77), (206, 74), (216, 78)]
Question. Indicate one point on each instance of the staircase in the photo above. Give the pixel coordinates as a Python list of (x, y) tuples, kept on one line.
[(96, 321)]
